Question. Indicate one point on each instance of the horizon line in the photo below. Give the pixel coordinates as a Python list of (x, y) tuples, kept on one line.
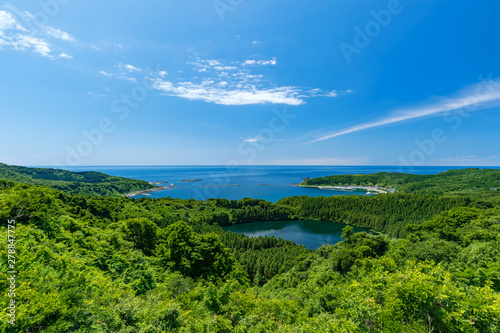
[(224, 165)]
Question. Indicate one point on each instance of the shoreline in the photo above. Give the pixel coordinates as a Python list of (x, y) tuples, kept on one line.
[(352, 188), (146, 192)]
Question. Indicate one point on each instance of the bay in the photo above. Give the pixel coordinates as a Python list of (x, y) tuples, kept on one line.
[(270, 183)]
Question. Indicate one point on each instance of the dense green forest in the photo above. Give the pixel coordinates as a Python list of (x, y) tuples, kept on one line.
[(87, 182), (112, 264), (390, 214), (471, 181)]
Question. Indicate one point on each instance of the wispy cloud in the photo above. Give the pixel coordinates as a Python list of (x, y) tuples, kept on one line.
[(233, 83), (260, 62), (220, 82), (59, 34), (93, 94), (243, 95), (38, 38), (129, 68), (254, 139), (126, 78), (478, 96), (65, 56), (22, 42), (124, 72)]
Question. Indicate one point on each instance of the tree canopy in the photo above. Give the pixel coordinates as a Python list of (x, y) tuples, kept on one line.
[(91, 263)]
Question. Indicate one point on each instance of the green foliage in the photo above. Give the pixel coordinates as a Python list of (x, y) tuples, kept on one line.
[(192, 254), (387, 213), (113, 264), (87, 182), (141, 232), (448, 224), (452, 182), (347, 232)]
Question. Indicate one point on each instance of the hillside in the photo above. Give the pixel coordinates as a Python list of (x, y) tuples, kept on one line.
[(87, 182), (113, 264), (478, 182)]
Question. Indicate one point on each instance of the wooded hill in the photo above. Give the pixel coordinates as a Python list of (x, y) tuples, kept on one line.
[(87, 182), (91, 263), (472, 181)]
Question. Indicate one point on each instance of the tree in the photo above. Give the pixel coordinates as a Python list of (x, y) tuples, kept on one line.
[(347, 232), (192, 254), (141, 232)]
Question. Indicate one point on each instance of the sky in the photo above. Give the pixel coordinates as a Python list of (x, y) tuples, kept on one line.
[(228, 82)]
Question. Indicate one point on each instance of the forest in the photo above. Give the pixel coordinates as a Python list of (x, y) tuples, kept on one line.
[(86, 182), (472, 181), (104, 263)]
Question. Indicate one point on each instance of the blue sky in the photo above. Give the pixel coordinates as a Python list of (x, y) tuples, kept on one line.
[(250, 82)]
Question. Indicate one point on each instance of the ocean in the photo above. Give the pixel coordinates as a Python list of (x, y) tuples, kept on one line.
[(270, 183)]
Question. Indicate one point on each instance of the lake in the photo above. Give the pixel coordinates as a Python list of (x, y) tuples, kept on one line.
[(270, 183), (311, 234)]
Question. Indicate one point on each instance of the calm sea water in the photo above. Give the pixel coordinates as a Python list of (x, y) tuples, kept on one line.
[(271, 183), (312, 234)]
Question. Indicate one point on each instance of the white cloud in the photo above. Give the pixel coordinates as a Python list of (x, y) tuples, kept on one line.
[(124, 71), (244, 95), (226, 68), (95, 94), (7, 21), (65, 56), (23, 42), (214, 81), (478, 96), (232, 83), (59, 34), (321, 93), (15, 36), (213, 62), (126, 78), (254, 139), (260, 62), (332, 93), (130, 68)]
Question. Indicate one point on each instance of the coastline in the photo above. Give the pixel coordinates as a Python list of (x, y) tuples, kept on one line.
[(352, 188), (146, 192)]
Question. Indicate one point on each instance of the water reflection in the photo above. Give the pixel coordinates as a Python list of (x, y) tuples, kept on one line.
[(311, 234)]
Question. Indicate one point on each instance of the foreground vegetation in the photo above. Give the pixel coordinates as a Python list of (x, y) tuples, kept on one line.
[(87, 182), (113, 264)]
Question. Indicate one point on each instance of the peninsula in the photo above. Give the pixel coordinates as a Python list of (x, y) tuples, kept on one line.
[(451, 182)]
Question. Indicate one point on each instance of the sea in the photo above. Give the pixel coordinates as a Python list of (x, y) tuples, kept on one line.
[(270, 183)]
